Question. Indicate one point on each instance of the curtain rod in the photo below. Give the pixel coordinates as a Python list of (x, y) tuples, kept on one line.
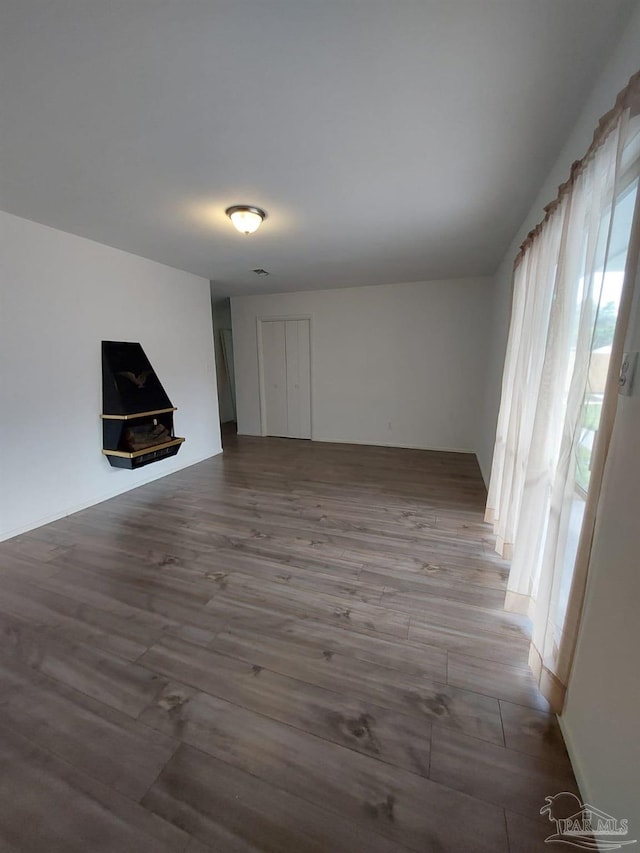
[(628, 99)]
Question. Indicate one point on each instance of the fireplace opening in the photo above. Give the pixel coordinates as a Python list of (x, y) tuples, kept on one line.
[(140, 436)]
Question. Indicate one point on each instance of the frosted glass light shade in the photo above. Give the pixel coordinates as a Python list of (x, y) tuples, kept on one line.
[(246, 219)]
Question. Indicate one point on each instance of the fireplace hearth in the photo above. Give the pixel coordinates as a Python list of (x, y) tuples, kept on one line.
[(137, 418)]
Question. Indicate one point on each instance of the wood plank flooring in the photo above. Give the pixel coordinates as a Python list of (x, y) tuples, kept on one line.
[(294, 647)]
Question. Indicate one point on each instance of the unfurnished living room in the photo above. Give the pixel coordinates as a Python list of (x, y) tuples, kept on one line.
[(320, 426)]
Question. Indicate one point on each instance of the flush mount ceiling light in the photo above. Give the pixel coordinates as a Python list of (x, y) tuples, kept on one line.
[(246, 219)]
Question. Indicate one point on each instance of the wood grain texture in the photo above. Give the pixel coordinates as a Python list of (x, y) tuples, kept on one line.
[(362, 787), (234, 811), (107, 744), (528, 836), (47, 804), (507, 778), (293, 647), (513, 681), (534, 732)]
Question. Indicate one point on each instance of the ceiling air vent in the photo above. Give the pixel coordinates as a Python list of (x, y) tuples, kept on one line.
[(260, 272)]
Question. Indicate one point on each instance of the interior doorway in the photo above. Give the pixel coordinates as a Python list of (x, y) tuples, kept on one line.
[(225, 371)]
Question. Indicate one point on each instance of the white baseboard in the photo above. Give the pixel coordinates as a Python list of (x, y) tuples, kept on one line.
[(393, 444), (576, 764), (106, 496)]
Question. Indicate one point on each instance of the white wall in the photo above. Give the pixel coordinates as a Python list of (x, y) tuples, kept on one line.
[(600, 721), (624, 62), (399, 364), (61, 296)]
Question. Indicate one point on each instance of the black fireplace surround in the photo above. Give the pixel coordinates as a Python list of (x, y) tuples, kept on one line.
[(137, 414)]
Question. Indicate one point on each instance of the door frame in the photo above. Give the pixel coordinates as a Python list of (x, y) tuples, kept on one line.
[(271, 318)]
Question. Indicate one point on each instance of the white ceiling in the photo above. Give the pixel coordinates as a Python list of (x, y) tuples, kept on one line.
[(388, 141)]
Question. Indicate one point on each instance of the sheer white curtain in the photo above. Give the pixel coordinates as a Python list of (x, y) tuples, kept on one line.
[(542, 517), (534, 280)]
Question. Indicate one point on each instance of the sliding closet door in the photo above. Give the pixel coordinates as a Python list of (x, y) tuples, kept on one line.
[(286, 378), (274, 365), (298, 378)]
